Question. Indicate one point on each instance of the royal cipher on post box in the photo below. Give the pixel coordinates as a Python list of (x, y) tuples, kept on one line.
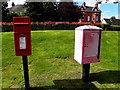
[(87, 44), (22, 35)]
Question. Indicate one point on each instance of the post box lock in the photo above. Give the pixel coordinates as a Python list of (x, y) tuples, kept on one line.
[(86, 46), (22, 36)]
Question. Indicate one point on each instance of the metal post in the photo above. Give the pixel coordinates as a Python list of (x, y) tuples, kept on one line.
[(85, 72), (26, 75)]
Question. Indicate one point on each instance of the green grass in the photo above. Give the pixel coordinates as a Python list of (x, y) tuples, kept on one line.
[(51, 64)]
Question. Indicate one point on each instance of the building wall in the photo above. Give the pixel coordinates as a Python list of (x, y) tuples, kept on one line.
[(90, 18)]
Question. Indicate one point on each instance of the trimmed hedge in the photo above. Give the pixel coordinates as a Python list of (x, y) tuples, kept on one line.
[(115, 28), (110, 27), (54, 26), (9, 27)]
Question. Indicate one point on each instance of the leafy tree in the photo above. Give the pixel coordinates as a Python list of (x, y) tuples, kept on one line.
[(35, 10), (5, 11), (42, 11), (69, 11), (113, 18), (11, 15), (50, 11)]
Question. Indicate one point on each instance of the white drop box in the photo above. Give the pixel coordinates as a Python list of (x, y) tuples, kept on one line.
[(87, 44)]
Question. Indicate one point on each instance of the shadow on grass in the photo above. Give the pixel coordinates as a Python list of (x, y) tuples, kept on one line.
[(104, 77)]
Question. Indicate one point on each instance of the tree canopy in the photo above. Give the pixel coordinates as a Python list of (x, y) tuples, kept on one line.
[(52, 11), (5, 11)]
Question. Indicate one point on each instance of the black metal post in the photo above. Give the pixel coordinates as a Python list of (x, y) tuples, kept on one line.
[(26, 74), (85, 72)]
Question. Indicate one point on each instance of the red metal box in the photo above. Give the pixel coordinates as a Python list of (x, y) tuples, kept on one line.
[(22, 36)]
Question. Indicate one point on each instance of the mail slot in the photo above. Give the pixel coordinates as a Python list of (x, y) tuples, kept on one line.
[(87, 44), (22, 35)]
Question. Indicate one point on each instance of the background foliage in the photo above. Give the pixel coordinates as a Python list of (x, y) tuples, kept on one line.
[(45, 11)]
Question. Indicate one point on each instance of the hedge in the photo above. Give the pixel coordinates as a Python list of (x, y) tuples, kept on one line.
[(9, 27), (115, 28), (109, 27)]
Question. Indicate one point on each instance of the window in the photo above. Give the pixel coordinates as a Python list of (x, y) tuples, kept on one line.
[(96, 18), (83, 18), (88, 18), (96, 10)]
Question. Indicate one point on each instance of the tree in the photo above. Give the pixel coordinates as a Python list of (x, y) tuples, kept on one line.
[(35, 10), (11, 15), (42, 11), (50, 11), (69, 11), (112, 19), (5, 11)]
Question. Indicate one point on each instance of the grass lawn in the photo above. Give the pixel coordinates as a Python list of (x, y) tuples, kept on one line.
[(51, 64)]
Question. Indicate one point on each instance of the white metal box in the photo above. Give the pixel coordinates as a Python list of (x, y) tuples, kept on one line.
[(87, 44)]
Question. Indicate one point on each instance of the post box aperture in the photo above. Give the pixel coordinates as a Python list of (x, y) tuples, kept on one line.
[(22, 36), (87, 44)]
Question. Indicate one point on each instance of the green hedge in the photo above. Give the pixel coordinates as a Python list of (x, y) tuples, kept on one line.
[(115, 28), (109, 27), (54, 26), (8, 28), (106, 26)]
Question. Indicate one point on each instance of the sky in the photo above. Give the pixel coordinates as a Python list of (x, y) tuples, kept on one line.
[(108, 9)]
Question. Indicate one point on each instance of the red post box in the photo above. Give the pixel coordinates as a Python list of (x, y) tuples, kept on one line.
[(87, 44), (22, 35)]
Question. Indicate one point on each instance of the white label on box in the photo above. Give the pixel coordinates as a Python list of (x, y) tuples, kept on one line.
[(22, 42)]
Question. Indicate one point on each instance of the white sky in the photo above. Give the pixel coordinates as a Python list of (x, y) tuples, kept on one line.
[(88, 2), (16, 2)]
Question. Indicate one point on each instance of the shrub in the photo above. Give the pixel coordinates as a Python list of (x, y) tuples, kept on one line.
[(115, 28), (37, 27), (110, 27), (106, 27), (54, 26), (7, 27)]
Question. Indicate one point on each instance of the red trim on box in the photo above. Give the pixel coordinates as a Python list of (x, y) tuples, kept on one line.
[(86, 60), (92, 59)]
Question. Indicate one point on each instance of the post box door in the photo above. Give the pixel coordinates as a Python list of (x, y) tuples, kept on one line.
[(22, 44), (91, 42)]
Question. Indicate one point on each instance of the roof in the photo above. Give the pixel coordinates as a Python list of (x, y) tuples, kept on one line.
[(89, 8), (88, 27), (85, 8), (18, 8), (114, 22)]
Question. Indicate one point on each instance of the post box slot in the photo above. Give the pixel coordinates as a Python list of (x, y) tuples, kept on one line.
[(21, 24)]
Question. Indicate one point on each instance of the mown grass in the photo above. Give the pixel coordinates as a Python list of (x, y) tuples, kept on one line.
[(51, 64)]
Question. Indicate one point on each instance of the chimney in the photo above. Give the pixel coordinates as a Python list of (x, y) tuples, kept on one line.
[(96, 5), (84, 4), (13, 4)]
